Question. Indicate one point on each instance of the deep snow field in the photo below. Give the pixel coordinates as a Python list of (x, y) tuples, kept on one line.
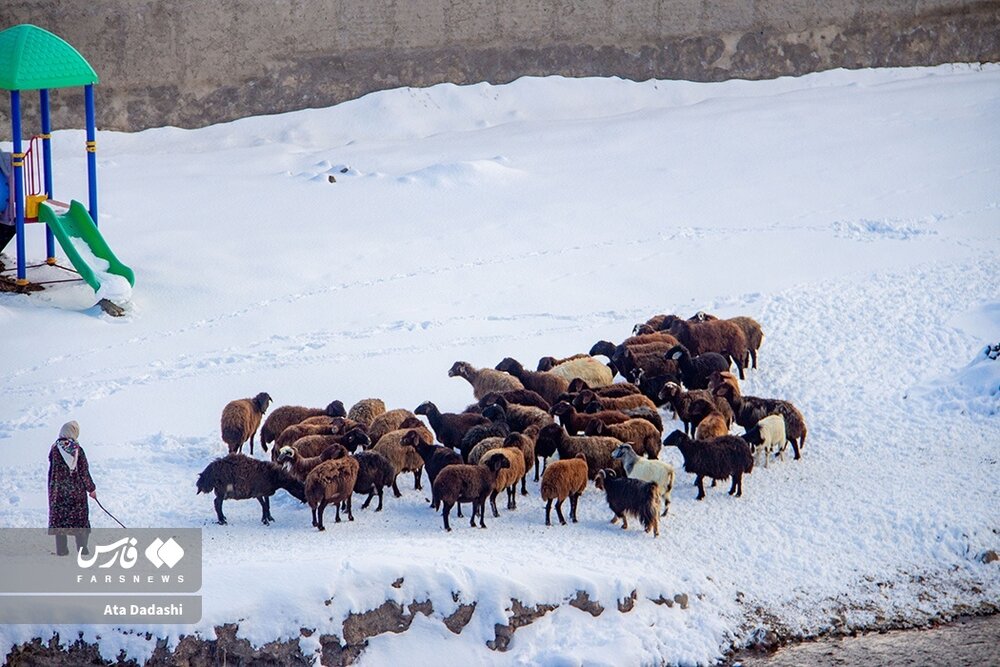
[(855, 214)]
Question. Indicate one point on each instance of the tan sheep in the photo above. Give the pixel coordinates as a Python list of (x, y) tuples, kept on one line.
[(402, 458), (389, 421), (241, 419), (289, 415), (366, 410), (639, 433), (588, 369), (484, 380)]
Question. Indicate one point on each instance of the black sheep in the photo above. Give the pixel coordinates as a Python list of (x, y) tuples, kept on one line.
[(375, 472), (497, 427), (449, 427), (695, 371), (240, 477), (517, 396), (717, 458), (435, 457), (631, 496)]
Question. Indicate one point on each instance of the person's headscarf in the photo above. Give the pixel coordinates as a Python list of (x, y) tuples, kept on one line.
[(69, 448)]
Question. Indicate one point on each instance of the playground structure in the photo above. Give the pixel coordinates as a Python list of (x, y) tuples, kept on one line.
[(34, 59)]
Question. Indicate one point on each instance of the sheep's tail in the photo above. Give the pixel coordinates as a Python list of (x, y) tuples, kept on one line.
[(649, 513), (232, 434)]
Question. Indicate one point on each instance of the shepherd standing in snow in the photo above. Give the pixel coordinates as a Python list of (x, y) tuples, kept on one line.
[(69, 485)]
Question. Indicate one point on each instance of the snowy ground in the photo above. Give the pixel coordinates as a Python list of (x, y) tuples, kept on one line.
[(854, 214)]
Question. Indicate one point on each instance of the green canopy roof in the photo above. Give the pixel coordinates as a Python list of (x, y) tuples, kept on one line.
[(32, 58)]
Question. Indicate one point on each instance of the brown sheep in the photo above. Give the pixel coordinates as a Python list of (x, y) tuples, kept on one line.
[(597, 449), (289, 415), (366, 410), (576, 422), (712, 425), (463, 483), (642, 435), (314, 445), (719, 336), (507, 478), (241, 419), (693, 406), (613, 390), (296, 431), (402, 458), (239, 477), (390, 421), (718, 379), (520, 417), (299, 466), (586, 397), (331, 481), (548, 385), (564, 479)]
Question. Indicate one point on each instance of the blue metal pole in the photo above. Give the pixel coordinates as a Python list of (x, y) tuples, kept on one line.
[(91, 150), (50, 241), (17, 162)]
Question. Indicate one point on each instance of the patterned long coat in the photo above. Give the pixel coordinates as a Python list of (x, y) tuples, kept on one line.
[(68, 508)]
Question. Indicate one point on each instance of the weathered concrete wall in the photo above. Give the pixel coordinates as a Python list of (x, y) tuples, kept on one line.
[(196, 62)]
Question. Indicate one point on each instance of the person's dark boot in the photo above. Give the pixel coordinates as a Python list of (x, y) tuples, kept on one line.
[(62, 546)]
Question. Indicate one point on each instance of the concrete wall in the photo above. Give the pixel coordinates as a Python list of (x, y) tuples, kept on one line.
[(195, 62)]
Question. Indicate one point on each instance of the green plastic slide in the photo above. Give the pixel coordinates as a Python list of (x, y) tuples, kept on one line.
[(77, 223)]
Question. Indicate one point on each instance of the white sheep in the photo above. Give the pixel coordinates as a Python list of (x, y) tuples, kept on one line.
[(768, 436), (647, 470)]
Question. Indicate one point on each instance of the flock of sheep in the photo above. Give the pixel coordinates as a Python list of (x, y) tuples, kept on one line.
[(605, 431)]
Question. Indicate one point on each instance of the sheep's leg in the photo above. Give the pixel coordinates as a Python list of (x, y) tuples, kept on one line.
[(768, 453), (524, 484), (739, 368), (313, 514), (512, 497), (416, 479), (395, 489), (251, 442), (493, 506), (536, 472), (573, 499), (753, 358), (482, 513), (701, 487), (656, 525), (379, 508), (337, 518), (350, 514), (459, 506), (666, 505), (319, 515), (368, 500), (562, 521), (795, 448), (445, 512), (475, 506), (624, 521), (218, 510), (548, 512), (263, 509)]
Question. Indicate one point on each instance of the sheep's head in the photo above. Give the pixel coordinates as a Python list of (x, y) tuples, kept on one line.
[(546, 363), (603, 347), (642, 329), (286, 454), (561, 408), (261, 401), (584, 398), (577, 385), (411, 422), (510, 365), (339, 425), (425, 408), (669, 391), (494, 413), (622, 451), (753, 437), (355, 438), (675, 353), (592, 407), (496, 462), (411, 438), (602, 475), (336, 409), (676, 439), (595, 427), (531, 432), (461, 369)]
